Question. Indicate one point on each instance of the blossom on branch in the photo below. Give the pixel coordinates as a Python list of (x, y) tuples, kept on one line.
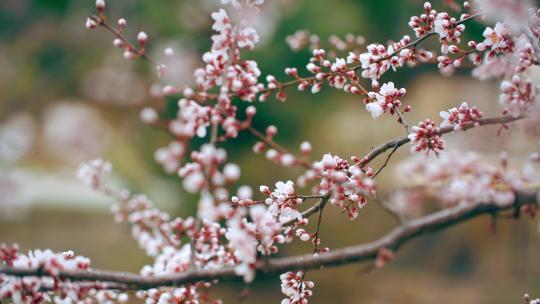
[(295, 288), (459, 178), (448, 29), (517, 95), (426, 137), (383, 98), (424, 23), (283, 202), (461, 116), (347, 185), (36, 289)]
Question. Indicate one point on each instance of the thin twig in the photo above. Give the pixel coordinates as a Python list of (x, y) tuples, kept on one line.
[(385, 162), (403, 121), (140, 52), (320, 204), (270, 142), (319, 220)]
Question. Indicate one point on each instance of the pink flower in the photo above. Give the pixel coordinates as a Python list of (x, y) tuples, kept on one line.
[(221, 20), (495, 36), (448, 29), (295, 288), (283, 202), (425, 137), (347, 186), (517, 95), (461, 116), (384, 98), (423, 24), (496, 40), (459, 178), (94, 172)]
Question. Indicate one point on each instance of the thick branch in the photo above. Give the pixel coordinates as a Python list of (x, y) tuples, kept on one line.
[(358, 253)]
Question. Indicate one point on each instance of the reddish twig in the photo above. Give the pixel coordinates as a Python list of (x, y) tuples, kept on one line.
[(271, 143)]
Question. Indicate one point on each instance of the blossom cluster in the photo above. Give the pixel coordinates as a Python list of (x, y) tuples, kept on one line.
[(378, 59), (449, 30), (283, 202), (383, 98), (224, 67), (423, 24), (508, 56), (295, 288), (347, 186), (247, 238), (38, 289), (426, 137), (455, 178), (461, 116), (518, 94)]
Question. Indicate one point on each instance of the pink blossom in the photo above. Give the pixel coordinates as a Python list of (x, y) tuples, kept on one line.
[(34, 289), (426, 137), (346, 185), (461, 178), (423, 24), (295, 288), (517, 95), (283, 202), (448, 29), (93, 172), (497, 40), (461, 116), (384, 98)]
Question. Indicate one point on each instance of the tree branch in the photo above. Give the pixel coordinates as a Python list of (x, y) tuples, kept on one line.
[(136, 51), (271, 143), (411, 45), (311, 210), (352, 254), (403, 140)]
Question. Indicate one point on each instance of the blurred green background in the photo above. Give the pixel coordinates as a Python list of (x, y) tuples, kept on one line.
[(67, 96)]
